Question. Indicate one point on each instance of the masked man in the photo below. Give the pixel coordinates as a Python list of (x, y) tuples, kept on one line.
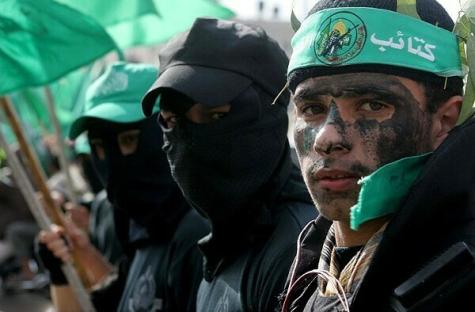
[(157, 227), (399, 221), (228, 151)]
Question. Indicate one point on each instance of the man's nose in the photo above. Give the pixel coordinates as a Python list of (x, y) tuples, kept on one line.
[(331, 140)]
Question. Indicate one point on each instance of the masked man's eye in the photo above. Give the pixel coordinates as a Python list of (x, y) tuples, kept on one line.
[(168, 119), (98, 147), (202, 114), (171, 121), (128, 141), (218, 115), (372, 106)]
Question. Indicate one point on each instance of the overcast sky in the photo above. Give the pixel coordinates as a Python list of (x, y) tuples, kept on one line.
[(247, 9)]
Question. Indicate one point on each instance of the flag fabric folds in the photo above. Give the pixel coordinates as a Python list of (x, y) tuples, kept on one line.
[(42, 40), (174, 16), (112, 12)]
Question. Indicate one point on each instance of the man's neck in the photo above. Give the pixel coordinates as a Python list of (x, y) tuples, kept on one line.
[(346, 237)]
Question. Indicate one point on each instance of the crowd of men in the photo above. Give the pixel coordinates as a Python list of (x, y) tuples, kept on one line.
[(211, 213)]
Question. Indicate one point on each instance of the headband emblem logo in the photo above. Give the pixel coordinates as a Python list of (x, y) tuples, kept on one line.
[(341, 37)]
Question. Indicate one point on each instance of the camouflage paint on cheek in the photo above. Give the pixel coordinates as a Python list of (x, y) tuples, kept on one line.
[(304, 136), (371, 136), (309, 139), (405, 134), (400, 138)]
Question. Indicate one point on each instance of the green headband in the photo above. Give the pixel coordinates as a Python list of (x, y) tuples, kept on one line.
[(353, 36)]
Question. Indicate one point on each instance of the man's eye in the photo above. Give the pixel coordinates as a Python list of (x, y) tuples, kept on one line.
[(98, 147), (168, 119), (372, 106), (218, 115), (128, 141), (312, 109), (171, 121)]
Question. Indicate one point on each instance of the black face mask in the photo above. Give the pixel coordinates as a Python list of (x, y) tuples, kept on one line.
[(222, 167), (140, 185), (91, 173)]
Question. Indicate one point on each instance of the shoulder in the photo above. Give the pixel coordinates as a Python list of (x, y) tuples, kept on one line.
[(279, 249), (191, 226), (270, 265), (183, 247), (292, 218), (100, 202)]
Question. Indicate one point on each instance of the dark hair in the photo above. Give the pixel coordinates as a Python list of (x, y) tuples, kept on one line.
[(437, 89)]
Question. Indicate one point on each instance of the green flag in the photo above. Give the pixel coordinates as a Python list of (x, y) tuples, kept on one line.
[(42, 40), (68, 94), (113, 12), (175, 16)]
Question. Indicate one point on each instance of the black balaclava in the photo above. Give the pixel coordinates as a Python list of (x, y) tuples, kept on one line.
[(224, 168), (139, 185), (90, 173)]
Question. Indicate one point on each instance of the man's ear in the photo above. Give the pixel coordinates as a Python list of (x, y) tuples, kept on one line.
[(445, 119)]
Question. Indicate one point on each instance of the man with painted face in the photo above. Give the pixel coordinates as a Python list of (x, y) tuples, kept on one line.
[(158, 229), (398, 219), (228, 151)]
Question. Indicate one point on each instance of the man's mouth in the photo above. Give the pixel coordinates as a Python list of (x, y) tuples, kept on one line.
[(336, 180)]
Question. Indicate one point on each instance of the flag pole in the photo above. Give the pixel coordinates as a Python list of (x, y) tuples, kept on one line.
[(26, 188), (50, 208), (63, 160)]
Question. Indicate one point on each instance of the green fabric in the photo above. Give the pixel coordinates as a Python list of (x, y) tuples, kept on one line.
[(3, 158), (30, 104), (43, 40), (81, 145), (340, 37), (112, 12), (175, 16), (468, 8), (382, 192), (116, 95), (464, 28), (408, 7), (68, 94)]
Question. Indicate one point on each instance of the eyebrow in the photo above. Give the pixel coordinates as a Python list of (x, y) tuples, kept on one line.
[(220, 109), (356, 90)]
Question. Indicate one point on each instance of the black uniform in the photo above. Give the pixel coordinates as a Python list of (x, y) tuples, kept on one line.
[(249, 271), (165, 277), (102, 229)]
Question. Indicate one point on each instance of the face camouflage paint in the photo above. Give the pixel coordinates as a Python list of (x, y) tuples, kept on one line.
[(348, 126)]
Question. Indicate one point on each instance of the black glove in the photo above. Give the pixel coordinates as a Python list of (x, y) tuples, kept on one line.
[(51, 263)]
